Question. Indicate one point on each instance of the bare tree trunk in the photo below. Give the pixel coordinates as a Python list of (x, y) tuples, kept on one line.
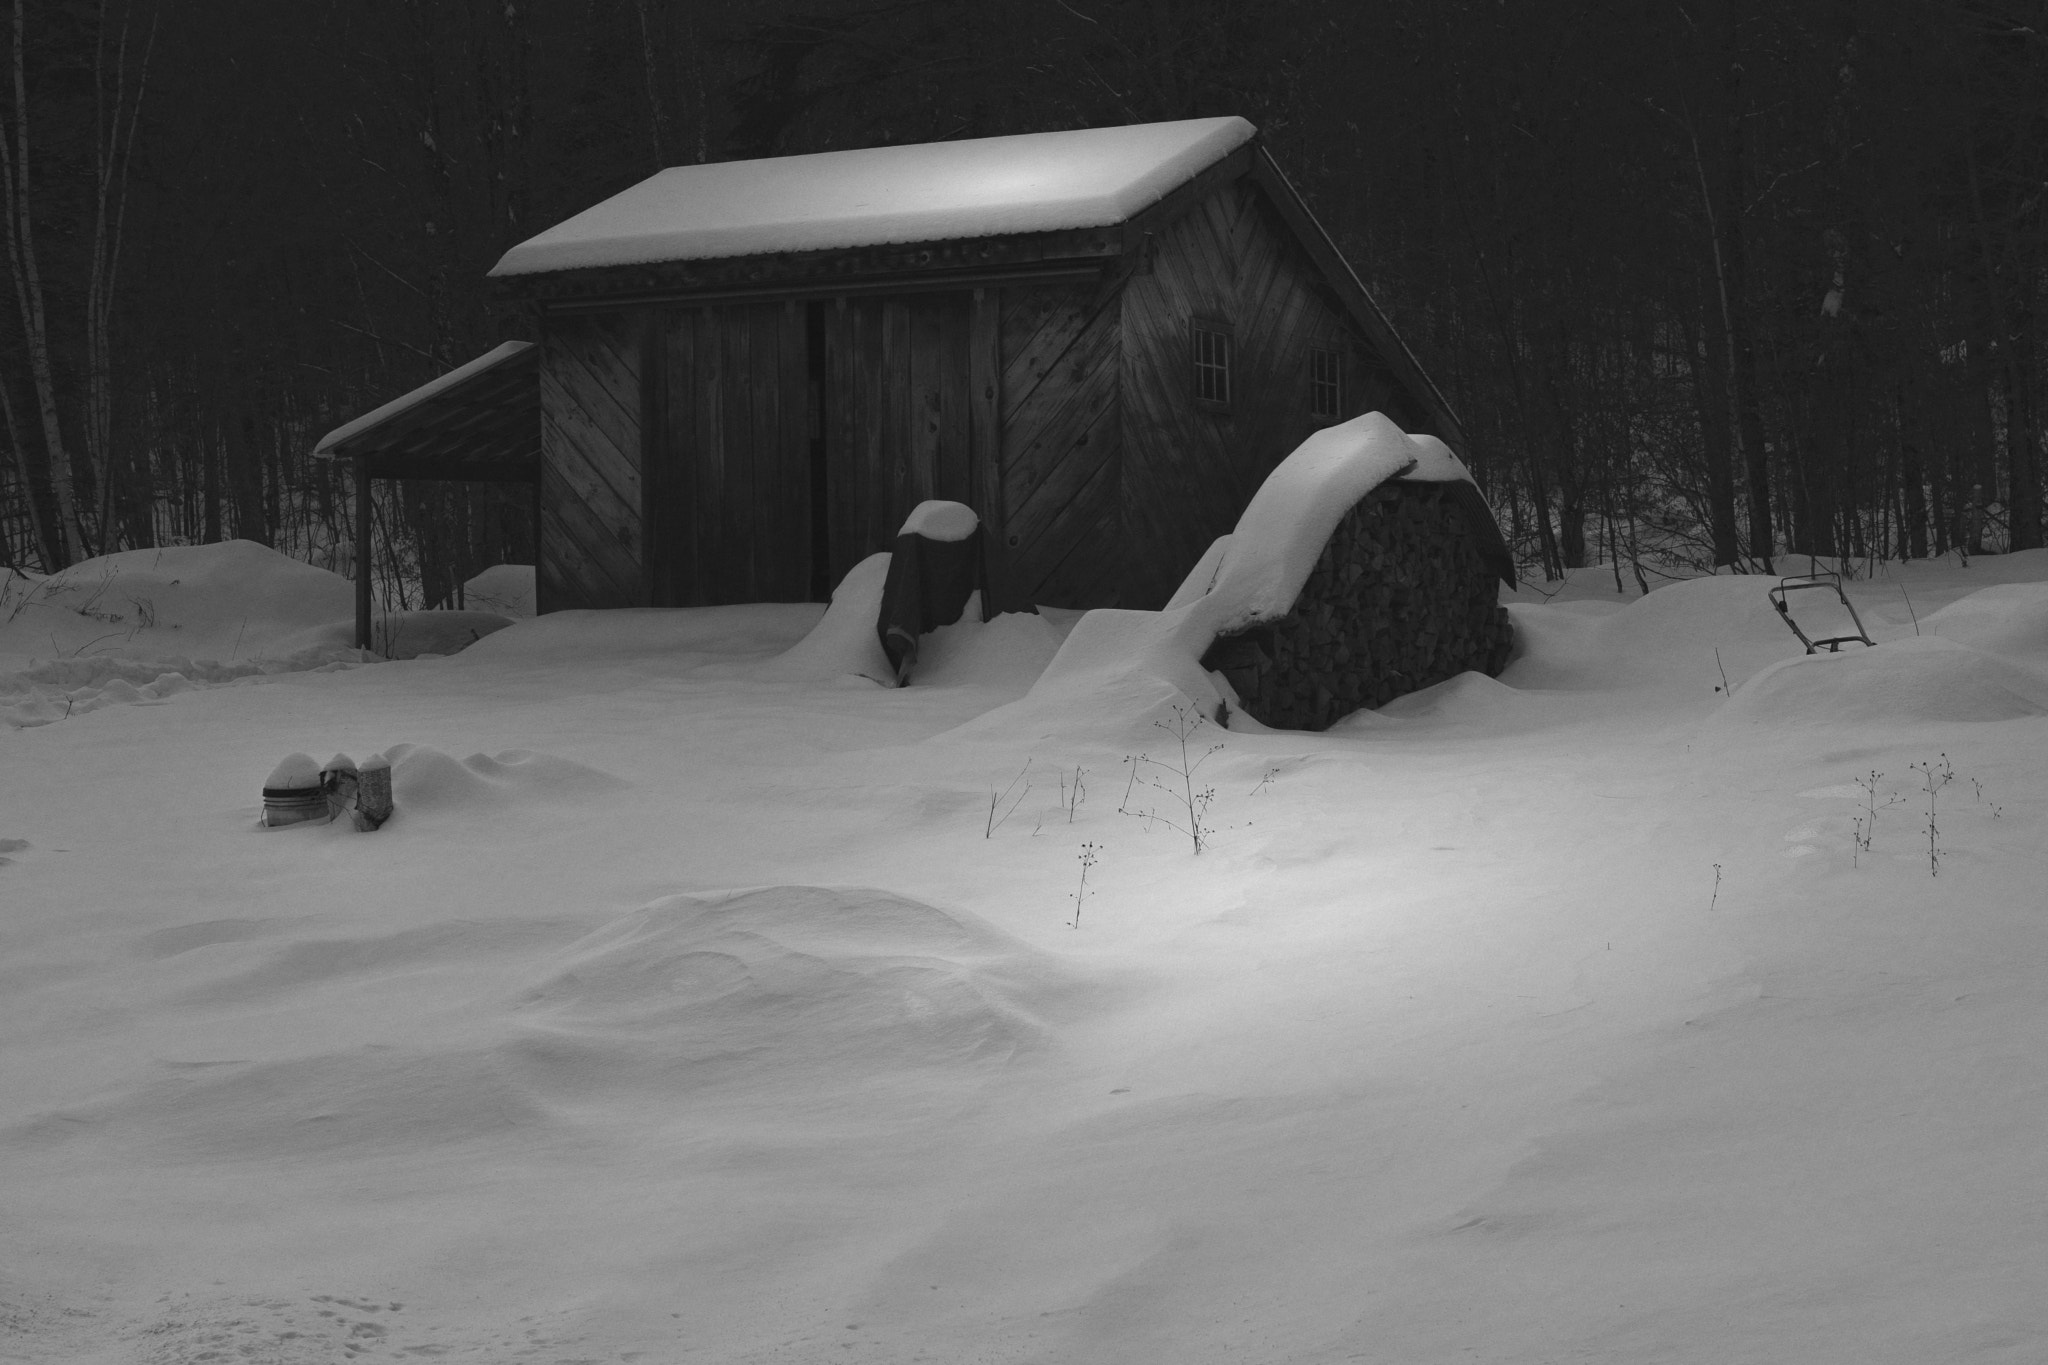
[(1706, 350), (113, 154), (1728, 248), (651, 72), (1727, 234), (47, 547), (245, 476), (28, 290), (2023, 469)]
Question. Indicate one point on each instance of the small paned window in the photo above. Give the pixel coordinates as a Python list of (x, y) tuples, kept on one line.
[(1325, 383), (1211, 345)]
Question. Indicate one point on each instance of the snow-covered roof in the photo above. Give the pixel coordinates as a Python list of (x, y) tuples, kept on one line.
[(875, 196), (406, 402)]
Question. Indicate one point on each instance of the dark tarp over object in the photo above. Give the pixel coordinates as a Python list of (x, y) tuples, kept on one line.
[(928, 586)]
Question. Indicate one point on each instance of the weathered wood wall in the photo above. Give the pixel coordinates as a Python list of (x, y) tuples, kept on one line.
[(1188, 472), (591, 528), (1401, 597), (730, 479), (1059, 524), (898, 415)]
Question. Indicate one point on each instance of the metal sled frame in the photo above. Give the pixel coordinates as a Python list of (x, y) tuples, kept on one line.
[(1833, 581)]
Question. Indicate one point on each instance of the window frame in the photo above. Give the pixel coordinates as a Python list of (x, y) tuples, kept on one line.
[(1319, 385), (1207, 373)]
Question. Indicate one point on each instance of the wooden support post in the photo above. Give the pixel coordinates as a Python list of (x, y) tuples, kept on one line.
[(985, 439), (542, 601), (362, 464)]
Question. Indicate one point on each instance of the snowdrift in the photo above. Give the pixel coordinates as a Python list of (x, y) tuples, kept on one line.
[(225, 603), (1576, 1020), (798, 996), (141, 626), (1927, 680), (2008, 618), (1667, 639)]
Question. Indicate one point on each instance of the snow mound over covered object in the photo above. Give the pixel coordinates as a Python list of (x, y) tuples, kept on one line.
[(142, 625), (233, 601), (1034, 182), (425, 779), (1668, 637), (2009, 619), (1915, 680), (805, 992)]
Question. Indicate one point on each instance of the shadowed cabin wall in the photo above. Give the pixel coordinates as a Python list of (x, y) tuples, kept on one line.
[(591, 540), (1189, 472)]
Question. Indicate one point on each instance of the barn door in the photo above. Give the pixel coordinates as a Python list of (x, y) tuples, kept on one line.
[(898, 419), (729, 500)]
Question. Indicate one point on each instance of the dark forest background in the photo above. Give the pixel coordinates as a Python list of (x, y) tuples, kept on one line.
[(1708, 280)]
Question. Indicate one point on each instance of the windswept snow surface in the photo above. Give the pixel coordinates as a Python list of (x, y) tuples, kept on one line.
[(695, 1005), (872, 196)]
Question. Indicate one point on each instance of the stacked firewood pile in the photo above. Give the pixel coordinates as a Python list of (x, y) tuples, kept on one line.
[(1401, 598)]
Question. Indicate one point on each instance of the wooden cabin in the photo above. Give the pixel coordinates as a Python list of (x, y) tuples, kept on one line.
[(1102, 340)]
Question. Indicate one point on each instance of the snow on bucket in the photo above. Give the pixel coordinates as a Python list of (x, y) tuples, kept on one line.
[(295, 794), (302, 792)]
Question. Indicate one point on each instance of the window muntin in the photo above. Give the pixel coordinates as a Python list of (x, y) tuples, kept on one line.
[(1325, 382), (1210, 346)]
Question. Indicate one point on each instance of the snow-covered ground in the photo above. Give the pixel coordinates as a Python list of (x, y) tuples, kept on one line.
[(690, 1009)]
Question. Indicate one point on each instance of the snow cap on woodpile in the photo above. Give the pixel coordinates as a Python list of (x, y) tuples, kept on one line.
[(1260, 571)]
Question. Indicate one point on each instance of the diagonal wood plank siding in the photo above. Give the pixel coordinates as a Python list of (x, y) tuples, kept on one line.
[(1188, 473), (591, 526)]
